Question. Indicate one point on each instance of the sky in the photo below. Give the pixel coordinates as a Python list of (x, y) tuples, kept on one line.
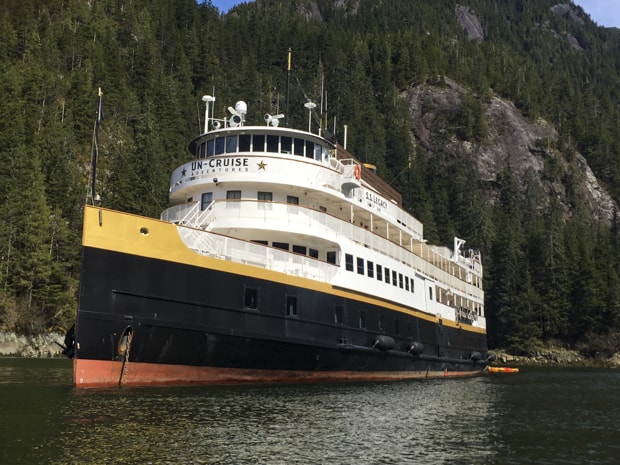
[(603, 12)]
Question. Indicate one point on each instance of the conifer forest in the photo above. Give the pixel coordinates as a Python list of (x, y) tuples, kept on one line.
[(552, 264)]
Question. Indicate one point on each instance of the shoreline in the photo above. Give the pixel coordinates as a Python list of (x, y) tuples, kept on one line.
[(50, 345), (556, 358)]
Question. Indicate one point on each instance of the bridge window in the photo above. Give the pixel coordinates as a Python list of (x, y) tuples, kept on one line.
[(379, 272), (231, 144), (331, 257), (258, 143), (280, 245), (272, 143), (400, 280), (394, 274), (298, 147), (370, 268), (387, 275), (244, 142), (318, 150), (309, 149), (210, 148), (286, 145), (313, 253), (219, 145)]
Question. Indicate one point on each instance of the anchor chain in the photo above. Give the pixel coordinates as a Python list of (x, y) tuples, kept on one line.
[(125, 366)]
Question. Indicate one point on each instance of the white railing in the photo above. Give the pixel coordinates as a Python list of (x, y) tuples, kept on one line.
[(239, 251), (301, 220)]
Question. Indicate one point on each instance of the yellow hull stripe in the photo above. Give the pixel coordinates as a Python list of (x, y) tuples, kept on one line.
[(151, 238)]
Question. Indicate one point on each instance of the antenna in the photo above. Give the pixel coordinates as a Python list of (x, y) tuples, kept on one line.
[(288, 84), (310, 105), (273, 120), (207, 99), (238, 114)]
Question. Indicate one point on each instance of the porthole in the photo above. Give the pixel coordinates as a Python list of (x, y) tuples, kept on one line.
[(144, 231)]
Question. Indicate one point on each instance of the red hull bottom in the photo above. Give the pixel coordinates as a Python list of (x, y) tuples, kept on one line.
[(98, 373)]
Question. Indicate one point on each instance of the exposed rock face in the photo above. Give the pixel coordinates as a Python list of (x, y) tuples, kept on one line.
[(566, 10), (45, 345), (470, 22), (512, 140)]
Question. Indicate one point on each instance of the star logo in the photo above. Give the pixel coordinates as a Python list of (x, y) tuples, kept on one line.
[(262, 165), (183, 172)]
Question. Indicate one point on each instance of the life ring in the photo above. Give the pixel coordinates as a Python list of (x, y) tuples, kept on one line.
[(357, 171)]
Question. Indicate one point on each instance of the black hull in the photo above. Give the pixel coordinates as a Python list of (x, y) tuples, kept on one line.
[(181, 315)]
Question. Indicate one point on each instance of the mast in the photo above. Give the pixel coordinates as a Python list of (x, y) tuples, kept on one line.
[(288, 84), (94, 197)]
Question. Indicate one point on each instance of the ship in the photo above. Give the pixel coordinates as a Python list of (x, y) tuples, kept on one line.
[(282, 258)]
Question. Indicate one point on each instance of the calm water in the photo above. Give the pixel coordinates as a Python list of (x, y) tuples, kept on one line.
[(556, 416)]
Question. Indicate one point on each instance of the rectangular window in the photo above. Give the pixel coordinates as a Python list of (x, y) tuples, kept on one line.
[(291, 305), (219, 145), (280, 245), (244, 142), (406, 283), (370, 268), (387, 275), (205, 200), (298, 147), (250, 299), (412, 286), (331, 257), (299, 249), (313, 253), (348, 262), (286, 144), (338, 314), (232, 199), (379, 272), (210, 148), (317, 152), (264, 199), (360, 265), (309, 149), (362, 320), (394, 277), (292, 200), (231, 144), (400, 280), (272, 143), (430, 293), (258, 143)]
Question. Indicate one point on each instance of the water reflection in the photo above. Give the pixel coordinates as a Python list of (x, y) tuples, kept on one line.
[(537, 417), (413, 422)]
